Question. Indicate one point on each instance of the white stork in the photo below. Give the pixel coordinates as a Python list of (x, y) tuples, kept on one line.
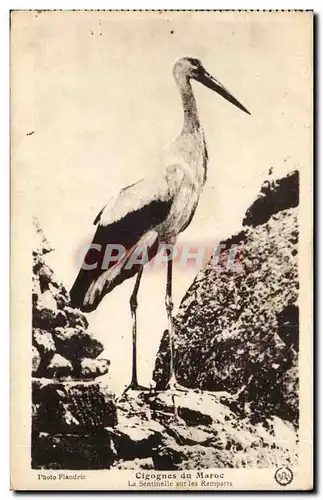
[(153, 211)]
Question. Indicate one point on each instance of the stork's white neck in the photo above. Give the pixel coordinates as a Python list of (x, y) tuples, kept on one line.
[(191, 119)]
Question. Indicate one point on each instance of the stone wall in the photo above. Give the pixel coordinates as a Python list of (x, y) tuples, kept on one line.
[(71, 406)]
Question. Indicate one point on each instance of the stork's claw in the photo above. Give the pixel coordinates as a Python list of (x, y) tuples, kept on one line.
[(174, 386)]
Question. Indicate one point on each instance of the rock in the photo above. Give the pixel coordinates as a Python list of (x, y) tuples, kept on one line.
[(199, 432), (136, 464), (59, 367), (172, 456), (169, 456), (35, 360), (36, 291), (45, 275), (134, 404), (60, 295), (274, 197), (288, 326), (194, 435), (47, 301), (237, 328), (71, 406), (135, 438), (48, 319), (44, 342), (194, 408), (75, 343), (289, 385), (62, 291), (193, 417), (227, 441), (75, 318), (91, 368), (34, 410), (71, 451), (61, 301)]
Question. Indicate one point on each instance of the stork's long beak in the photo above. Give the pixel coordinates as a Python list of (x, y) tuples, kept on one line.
[(213, 84)]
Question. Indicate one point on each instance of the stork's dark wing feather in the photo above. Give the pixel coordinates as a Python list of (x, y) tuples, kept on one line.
[(134, 212)]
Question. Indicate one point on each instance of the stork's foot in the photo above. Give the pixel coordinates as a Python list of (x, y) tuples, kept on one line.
[(174, 386), (134, 386), (175, 390)]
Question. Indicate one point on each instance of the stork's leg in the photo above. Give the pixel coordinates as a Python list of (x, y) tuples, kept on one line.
[(172, 383), (133, 307)]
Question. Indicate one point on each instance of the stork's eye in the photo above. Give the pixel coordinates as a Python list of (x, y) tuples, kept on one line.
[(194, 62)]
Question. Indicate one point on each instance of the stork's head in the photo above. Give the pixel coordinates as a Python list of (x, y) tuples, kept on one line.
[(188, 67)]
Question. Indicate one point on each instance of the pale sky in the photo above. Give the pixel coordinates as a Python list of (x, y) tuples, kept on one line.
[(97, 91)]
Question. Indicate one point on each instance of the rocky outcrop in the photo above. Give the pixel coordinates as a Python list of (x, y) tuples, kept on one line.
[(195, 430), (70, 406), (237, 326), (275, 196)]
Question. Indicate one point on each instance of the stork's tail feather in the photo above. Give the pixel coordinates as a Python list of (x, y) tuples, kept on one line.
[(79, 289), (92, 285), (87, 291)]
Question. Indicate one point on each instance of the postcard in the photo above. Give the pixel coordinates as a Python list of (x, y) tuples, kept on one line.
[(161, 250)]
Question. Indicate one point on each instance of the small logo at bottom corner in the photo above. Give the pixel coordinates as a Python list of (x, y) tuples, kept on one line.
[(284, 476)]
